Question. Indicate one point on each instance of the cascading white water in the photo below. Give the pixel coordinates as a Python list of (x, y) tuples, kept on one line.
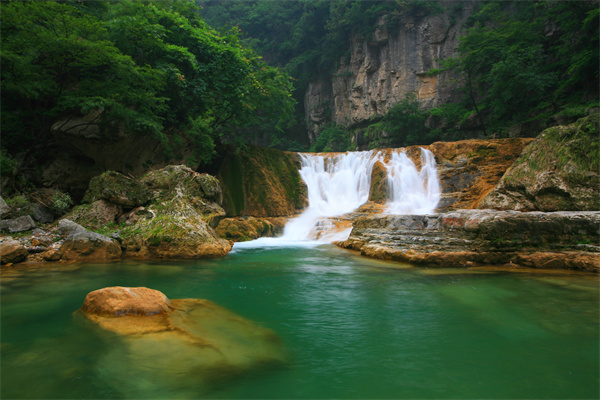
[(336, 185), (340, 184), (411, 191)]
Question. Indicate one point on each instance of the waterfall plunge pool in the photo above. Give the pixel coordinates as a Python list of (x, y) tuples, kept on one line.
[(354, 328)]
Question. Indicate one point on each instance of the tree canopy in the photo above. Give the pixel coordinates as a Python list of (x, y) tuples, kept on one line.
[(152, 68)]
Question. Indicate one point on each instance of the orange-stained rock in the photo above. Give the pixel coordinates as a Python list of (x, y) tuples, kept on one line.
[(118, 301), (187, 344), (12, 251)]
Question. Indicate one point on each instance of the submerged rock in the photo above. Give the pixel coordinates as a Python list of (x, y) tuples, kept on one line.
[(185, 344)]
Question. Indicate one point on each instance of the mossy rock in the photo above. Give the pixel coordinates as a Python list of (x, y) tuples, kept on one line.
[(557, 171), (242, 229), (117, 188), (186, 180), (262, 182), (176, 230)]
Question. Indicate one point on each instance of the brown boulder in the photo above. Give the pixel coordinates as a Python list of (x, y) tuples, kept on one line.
[(117, 301), (12, 252)]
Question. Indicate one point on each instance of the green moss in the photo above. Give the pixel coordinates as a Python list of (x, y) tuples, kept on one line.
[(232, 176)]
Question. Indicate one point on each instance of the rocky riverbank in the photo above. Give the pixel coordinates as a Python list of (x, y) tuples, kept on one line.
[(463, 238)]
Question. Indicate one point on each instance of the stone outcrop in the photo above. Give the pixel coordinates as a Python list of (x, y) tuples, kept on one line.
[(19, 224), (117, 188), (469, 169), (190, 341), (90, 246), (66, 227), (559, 170), (567, 240), (383, 69), (12, 251), (262, 182), (96, 215), (179, 221)]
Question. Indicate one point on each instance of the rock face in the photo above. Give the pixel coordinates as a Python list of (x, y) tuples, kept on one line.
[(386, 67), (118, 189), (12, 251), (567, 240), (262, 182), (558, 171), (88, 151), (469, 169), (186, 344), (90, 246)]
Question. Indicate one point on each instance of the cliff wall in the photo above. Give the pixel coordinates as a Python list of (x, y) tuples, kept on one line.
[(383, 69)]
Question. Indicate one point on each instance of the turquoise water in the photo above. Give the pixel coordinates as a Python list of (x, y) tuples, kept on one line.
[(354, 328)]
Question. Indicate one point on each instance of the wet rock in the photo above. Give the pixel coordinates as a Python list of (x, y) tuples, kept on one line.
[(189, 344), (245, 228), (20, 224), (12, 251), (464, 238), (90, 246), (118, 301), (118, 189), (51, 255), (66, 227), (36, 249)]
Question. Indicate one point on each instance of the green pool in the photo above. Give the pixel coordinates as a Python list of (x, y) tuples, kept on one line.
[(354, 328)]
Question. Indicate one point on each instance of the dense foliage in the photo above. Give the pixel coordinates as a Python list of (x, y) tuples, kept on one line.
[(149, 68), (519, 61)]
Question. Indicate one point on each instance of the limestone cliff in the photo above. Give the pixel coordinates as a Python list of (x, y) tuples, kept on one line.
[(381, 70)]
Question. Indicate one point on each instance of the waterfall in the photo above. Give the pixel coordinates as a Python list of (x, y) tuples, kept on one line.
[(336, 185), (411, 191), (340, 183)]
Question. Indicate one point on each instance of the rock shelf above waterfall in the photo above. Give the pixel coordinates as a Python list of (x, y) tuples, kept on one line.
[(464, 238)]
